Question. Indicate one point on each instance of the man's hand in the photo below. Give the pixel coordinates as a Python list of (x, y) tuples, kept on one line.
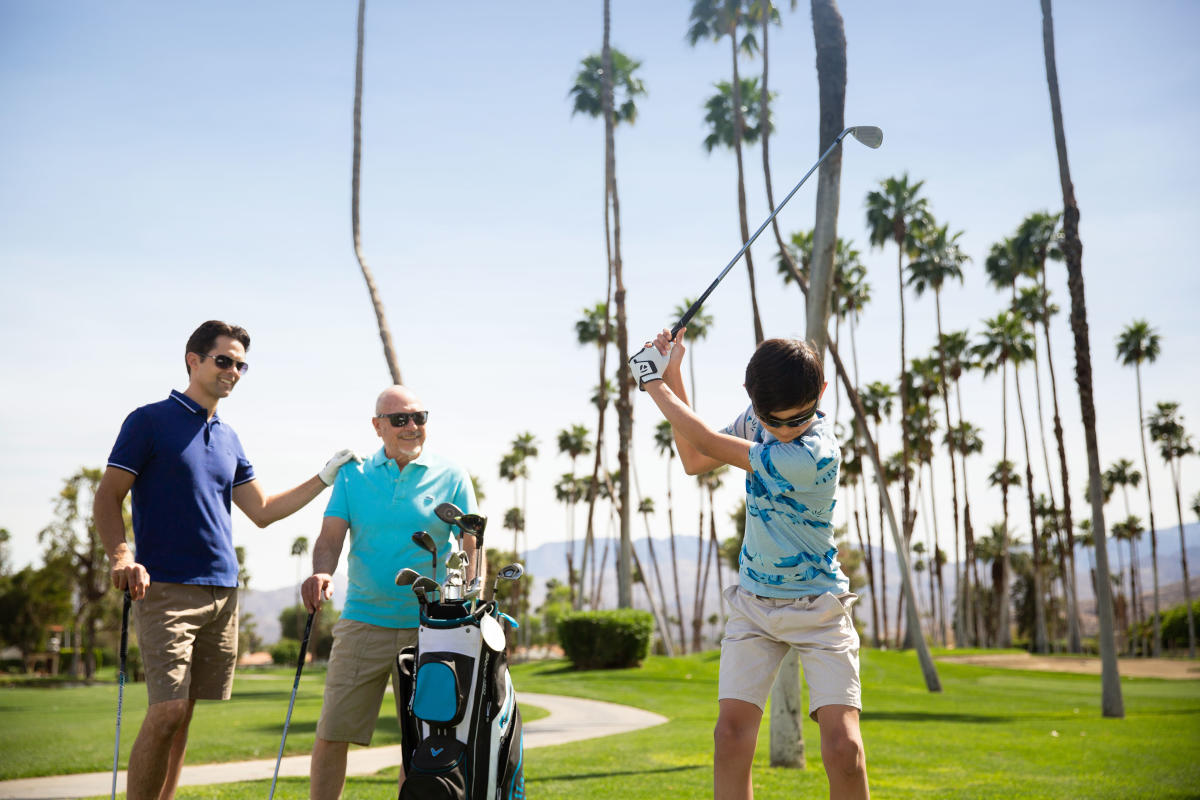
[(329, 472), (316, 590), (648, 365), (130, 576)]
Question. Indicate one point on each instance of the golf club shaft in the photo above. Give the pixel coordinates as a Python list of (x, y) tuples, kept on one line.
[(687, 315), (292, 702), (121, 687)]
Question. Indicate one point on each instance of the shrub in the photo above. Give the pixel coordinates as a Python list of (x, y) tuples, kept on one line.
[(606, 639), (286, 652)]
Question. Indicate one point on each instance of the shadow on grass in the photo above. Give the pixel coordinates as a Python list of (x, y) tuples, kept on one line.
[(591, 775), (927, 716)]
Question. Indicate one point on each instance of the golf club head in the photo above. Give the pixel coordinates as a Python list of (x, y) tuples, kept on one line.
[(473, 523), (869, 135), (424, 541), (457, 560), (419, 591), (512, 572), (423, 586), (448, 513), (406, 576)]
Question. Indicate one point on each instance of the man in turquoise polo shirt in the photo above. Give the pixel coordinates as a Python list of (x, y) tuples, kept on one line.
[(380, 503)]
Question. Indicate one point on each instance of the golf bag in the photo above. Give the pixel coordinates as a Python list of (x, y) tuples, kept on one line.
[(459, 722)]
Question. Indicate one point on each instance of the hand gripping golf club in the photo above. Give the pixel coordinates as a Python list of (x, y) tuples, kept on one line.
[(292, 702), (869, 135), (121, 687)]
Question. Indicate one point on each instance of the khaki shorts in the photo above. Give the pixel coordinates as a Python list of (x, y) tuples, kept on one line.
[(759, 632), (188, 638), (362, 658)]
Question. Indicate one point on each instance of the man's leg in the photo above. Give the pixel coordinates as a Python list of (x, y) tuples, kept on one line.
[(328, 772), (842, 752), (175, 759), (153, 749), (735, 737)]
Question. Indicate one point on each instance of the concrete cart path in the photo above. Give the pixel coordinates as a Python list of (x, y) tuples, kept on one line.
[(571, 719)]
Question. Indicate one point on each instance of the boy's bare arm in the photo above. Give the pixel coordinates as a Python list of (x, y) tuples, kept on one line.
[(710, 449)]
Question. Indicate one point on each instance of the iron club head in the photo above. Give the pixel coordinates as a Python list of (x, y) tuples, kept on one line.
[(406, 576), (869, 135)]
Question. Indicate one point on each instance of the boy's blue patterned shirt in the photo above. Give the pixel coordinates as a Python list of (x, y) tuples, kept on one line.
[(788, 550)]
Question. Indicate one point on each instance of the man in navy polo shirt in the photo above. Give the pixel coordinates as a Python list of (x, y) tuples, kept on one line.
[(185, 466)]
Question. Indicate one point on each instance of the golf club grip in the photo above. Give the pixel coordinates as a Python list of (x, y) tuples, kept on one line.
[(304, 644), (125, 629)]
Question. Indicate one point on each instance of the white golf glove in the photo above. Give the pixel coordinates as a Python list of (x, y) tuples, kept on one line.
[(648, 365), (329, 472)]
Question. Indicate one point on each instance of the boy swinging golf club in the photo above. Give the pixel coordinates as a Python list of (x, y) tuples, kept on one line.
[(791, 591)]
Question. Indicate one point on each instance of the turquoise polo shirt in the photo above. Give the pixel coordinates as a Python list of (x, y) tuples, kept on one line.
[(384, 506)]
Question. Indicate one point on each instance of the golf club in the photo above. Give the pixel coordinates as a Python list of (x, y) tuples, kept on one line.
[(406, 576), (121, 687), (425, 542), (292, 702), (512, 572), (869, 135), (423, 585)]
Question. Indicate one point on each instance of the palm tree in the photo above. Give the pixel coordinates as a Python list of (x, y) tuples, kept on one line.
[(1037, 239), (385, 333), (698, 328), (1166, 429), (956, 350), (999, 336), (851, 479), (594, 328), (940, 258), (1112, 704), (574, 442), (646, 508), (1123, 474), (736, 100), (664, 441), (1138, 344), (299, 551), (877, 403), (897, 213), (515, 469), (632, 87)]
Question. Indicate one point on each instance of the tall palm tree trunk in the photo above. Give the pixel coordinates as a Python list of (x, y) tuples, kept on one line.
[(1150, 506), (385, 333), (738, 124), (675, 560), (972, 608), (1039, 599), (1112, 704), (1187, 585), (882, 486), (1041, 418), (959, 624)]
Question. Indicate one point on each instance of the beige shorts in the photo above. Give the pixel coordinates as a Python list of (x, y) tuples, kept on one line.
[(362, 658), (759, 632), (188, 638)]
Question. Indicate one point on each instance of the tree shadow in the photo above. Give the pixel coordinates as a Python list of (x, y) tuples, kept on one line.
[(591, 775), (938, 716)]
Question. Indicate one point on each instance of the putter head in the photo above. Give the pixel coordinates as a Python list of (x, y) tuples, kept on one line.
[(406, 576), (869, 135)]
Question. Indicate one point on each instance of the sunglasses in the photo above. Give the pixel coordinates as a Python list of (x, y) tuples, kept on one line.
[(400, 419), (225, 362), (794, 422)]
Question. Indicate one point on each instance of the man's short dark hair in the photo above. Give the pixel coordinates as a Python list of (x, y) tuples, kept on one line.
[(784, 374), (204, 337)]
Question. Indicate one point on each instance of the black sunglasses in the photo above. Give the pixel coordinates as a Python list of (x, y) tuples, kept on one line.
[(225, 362), (401, 418), (794, 422)]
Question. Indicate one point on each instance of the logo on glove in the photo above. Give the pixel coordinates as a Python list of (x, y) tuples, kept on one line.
[(646, 368)]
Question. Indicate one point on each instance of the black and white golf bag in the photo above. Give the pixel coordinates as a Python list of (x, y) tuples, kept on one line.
[(460, 724)]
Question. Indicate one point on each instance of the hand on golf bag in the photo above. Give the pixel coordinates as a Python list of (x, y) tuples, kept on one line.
[(329, 472)]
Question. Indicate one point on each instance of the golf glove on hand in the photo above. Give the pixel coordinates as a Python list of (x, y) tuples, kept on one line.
[(329, 472), (649, 365)]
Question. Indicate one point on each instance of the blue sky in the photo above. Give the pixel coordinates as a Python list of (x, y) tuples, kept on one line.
[(162, 164)]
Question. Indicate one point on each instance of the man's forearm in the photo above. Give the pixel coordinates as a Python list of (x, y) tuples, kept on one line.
[(110, 525), (287, 503), (325, 558)]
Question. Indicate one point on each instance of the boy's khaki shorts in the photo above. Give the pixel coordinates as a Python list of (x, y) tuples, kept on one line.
[(362, 658), (188, 639), (761, 629)]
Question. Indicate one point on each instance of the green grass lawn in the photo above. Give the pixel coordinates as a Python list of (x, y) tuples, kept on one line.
[(989, 734), (52, 731)]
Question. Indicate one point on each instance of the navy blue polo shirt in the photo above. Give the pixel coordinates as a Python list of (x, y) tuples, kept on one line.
[(186, 466)]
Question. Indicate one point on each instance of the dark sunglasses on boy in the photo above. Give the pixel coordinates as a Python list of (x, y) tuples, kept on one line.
[(400, 419), (225, 362), (794, 422)]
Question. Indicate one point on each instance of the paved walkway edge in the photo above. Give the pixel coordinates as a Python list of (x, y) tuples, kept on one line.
[(571, 719)]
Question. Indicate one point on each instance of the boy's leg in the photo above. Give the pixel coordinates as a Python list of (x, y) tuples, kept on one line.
[(842, 752), (735, 738)]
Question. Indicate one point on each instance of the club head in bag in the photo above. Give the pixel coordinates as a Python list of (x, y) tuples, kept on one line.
[(451, 514), (457, 560), (423, 540), (422, 586), (448, 513), (406, 576)]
